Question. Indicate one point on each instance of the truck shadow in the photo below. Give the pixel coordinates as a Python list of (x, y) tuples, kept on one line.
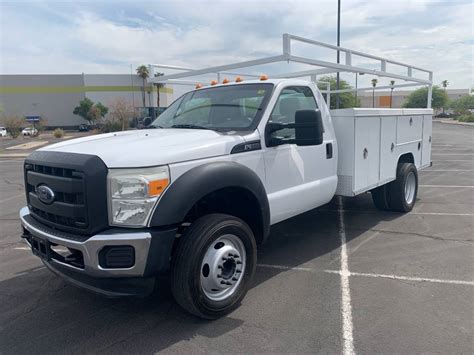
[(40, 313)]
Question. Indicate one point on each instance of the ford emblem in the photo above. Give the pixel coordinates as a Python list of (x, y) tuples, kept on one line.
[(45, 194)]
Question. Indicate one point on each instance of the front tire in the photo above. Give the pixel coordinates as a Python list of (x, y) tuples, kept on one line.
[(403, 191), (213, 266)]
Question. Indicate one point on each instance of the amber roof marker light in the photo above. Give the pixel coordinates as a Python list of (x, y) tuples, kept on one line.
[(225, 81), (264, 77), (238, 79), (214, 82), (198, 85)]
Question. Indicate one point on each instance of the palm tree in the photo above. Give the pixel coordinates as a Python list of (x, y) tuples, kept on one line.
[(144, 73), (444, 84), (392, 82), (158, 86), (374, 84)]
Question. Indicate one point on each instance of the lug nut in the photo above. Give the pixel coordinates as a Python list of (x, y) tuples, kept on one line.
[(239, 262), (238, 271), (224, 259)]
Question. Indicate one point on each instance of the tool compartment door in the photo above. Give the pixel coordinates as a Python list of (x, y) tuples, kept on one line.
[(366, 152), (409, 128), (426, 144)]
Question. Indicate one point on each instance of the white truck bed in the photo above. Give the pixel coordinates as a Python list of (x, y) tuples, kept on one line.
[(370, 142)]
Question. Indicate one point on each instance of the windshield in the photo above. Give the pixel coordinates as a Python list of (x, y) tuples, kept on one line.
[(223, 108)]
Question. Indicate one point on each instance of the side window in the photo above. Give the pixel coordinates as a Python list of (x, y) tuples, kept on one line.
[(291, 99)]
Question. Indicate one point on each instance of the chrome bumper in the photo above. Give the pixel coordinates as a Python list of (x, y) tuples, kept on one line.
[(90, 249)]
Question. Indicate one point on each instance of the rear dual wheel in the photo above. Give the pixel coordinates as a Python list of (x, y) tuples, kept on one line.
[(213, 265), (400, 194)]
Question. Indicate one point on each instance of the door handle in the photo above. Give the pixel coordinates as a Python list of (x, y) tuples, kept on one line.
[(328, 150)]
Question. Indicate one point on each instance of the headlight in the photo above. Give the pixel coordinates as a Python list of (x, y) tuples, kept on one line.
[(132, 193)]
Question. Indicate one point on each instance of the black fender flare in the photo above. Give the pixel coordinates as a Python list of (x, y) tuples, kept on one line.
[(202, 180)]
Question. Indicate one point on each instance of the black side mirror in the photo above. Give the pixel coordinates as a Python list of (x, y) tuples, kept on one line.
[(147, 121), (309, 127)]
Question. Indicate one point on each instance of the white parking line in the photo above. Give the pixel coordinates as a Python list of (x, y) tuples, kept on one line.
[(346, 308), (366, 274), (448, 186), (445, 171), (412, 278), (12, 197), (443, 161), (409, 213)]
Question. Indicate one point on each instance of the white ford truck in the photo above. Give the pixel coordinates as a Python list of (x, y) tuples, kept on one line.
[(198, 190)]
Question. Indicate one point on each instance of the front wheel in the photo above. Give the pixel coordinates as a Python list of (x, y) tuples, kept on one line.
[(213, 266)]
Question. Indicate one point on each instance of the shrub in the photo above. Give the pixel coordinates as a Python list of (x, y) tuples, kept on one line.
[(466, 118), (13, 124), (111, 126), (463, 105), (58, 133)]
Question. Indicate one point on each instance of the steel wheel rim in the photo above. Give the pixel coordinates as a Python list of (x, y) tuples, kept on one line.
[(223, 267), (410, 188)]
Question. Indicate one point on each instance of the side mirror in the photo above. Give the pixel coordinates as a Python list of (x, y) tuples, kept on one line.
[(147, 121), (309, 127)]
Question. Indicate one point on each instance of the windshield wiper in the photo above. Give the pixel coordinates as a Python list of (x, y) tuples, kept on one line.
[(192, 126)]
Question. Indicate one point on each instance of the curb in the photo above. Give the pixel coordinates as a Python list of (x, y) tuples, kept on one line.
[(455, 122)]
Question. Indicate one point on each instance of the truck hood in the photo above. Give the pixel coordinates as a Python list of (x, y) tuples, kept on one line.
[(150, 147)]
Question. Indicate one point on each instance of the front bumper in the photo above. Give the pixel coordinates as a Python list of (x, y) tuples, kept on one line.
[(152, 250)]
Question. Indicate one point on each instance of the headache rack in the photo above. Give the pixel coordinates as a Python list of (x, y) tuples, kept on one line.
[(319, 67)]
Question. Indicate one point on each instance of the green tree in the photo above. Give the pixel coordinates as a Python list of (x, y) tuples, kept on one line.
[(392, 83), (89, 111), (374, 84), (418, 98), (144, 73), (83, 108), (346, 99), (103, 109)]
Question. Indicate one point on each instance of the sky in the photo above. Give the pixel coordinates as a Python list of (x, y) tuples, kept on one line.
[(68, 37)]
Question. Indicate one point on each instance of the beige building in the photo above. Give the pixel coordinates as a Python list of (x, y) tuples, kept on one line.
[(382, 98), (54, 97)]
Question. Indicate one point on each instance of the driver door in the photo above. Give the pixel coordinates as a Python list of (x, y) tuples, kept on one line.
[(298, 178)]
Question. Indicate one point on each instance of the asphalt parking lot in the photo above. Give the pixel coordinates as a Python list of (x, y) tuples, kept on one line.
[(400, 283), (20, 144)]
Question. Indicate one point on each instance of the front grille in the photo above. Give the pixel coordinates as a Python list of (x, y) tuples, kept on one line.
[(68, 186), (79, 185)]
